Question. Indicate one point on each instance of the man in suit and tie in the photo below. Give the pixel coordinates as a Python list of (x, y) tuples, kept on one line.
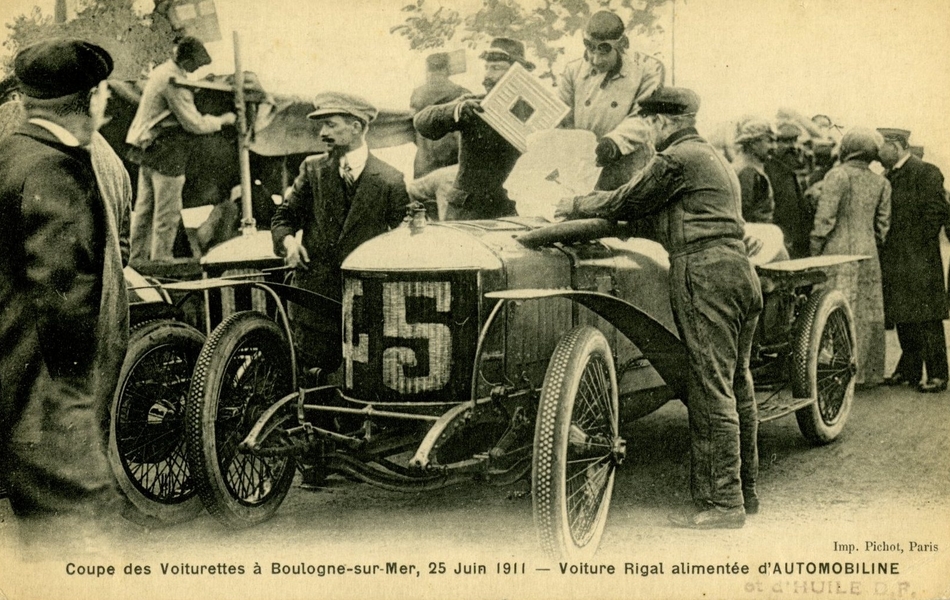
[(340, 199)]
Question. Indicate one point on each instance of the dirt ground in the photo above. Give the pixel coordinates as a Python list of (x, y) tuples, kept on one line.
[(886, 480)]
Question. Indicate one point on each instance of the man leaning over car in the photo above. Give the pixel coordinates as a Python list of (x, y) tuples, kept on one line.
[(716, 299)]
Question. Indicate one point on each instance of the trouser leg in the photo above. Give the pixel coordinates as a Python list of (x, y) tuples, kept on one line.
[(168, 206), (713, 294), (911, 363), (140, 229), (747, 408), (934, 349)]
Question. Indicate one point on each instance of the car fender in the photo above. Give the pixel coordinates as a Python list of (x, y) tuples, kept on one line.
[(660, 345)]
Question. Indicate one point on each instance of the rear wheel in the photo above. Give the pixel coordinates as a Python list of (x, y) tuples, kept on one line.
[(824, 366), (577, 446), (146, 422), (243, 368)]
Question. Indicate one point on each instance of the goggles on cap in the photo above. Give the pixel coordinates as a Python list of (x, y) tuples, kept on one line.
[(603, 47)]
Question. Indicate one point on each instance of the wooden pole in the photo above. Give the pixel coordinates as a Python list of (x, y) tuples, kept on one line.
[(248, 224), (673, 46)]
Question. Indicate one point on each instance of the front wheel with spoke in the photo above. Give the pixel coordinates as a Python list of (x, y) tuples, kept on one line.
[(577, 446), (147, 422), (243, 368), (824, 364)]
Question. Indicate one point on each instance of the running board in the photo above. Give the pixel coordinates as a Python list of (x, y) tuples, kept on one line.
[(775, 408)]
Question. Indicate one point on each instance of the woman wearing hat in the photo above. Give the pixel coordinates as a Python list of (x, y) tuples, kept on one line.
[(853, 217)]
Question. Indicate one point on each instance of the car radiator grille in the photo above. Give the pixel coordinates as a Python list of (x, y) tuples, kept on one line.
[(409, 337)]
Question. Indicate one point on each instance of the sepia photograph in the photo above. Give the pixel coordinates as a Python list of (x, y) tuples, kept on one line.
[(475, 299)]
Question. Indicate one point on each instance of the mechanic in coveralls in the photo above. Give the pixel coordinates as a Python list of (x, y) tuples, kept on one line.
[(715, 294)]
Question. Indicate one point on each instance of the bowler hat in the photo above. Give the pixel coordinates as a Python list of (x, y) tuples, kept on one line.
[(507, 49), (190, 47), (60, 67), (604, 26), (670, 101), (895, 135), (339, 103)]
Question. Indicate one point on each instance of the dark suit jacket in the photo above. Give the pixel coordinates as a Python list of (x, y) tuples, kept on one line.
[(52, 245), (911, 269), (334, 224), (485, 161), (792, 214), (56, 319)]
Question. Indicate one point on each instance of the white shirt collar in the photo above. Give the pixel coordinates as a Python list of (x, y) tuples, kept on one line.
[(900, 163), (61, 134), (357, 160)]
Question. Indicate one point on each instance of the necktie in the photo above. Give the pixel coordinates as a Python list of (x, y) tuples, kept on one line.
[(346, 172)]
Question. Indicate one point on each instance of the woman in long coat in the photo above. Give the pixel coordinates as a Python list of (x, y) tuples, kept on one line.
[(853, 217)]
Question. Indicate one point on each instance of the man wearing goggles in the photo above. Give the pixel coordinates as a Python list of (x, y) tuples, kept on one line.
[(603, 90), (603, 48)]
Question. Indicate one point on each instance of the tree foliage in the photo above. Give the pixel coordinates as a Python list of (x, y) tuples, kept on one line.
[(134, 40), (541, 24)]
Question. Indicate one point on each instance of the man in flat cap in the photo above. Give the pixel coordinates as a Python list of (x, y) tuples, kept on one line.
[(915, 296), (62, 296), (715, 294), (438, 89), (792, 213), (165, 119), (755, 138), (486, 159), (603, 90), (339, 199)]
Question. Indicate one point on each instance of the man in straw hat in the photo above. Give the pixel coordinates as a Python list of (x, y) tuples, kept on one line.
[(485, 157), (339, 199), (603, 90), (715, 296)]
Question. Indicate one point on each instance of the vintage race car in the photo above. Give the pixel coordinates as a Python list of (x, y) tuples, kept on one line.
[(491, 350)]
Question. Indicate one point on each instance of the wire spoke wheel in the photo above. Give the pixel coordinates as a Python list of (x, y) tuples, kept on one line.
[(577, 446), (146, 424), (825, 365), (243, 369)]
